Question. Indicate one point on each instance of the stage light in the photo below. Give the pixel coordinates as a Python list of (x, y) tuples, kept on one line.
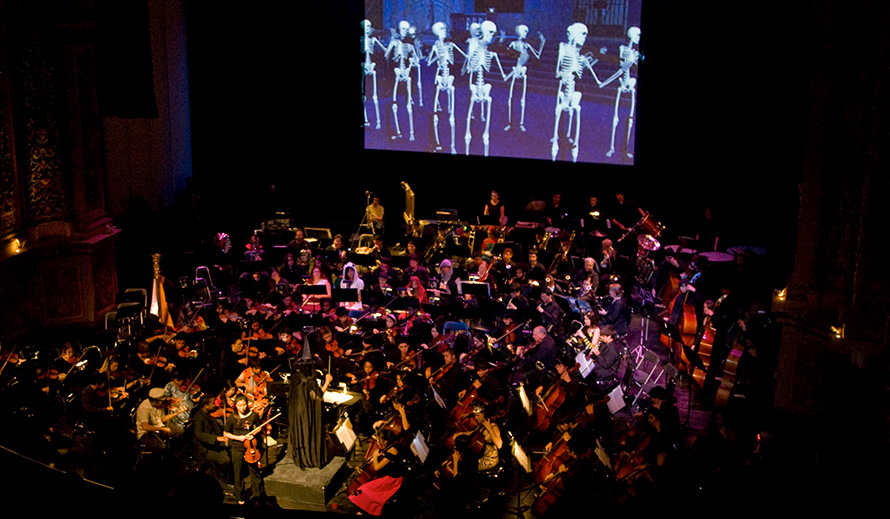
[(838, 331), (781, 295)]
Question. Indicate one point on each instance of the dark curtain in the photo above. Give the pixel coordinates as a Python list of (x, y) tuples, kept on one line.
[(305, 422)]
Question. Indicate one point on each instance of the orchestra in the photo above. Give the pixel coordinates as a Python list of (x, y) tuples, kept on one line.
[(424, 350)]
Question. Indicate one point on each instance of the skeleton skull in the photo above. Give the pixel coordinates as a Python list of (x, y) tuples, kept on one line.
[(488, 31), (366, 26), (475, 30), (403, 28), (522, 31), (439, 30), (577, 33), (634, 34)]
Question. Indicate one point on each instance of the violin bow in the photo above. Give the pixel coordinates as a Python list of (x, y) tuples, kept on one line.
[(194, 380), (7, 358)]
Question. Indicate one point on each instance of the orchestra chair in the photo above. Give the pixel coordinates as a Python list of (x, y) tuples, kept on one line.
[(455, 326), (667, 370)]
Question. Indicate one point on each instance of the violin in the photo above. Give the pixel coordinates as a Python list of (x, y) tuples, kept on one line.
[(334, 349), (252, 451)]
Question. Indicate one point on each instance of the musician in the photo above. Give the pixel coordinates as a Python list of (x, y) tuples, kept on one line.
[(518, 305), (606, 359), (569, 379), (152, 427), (415, 289), (446, 378), (486, 383), (489, 457), (291, 270), (536, 270), (255, 332), (543, 350), (209, 442), (352, 280), (338, 246), (379, 250), (300, 248), (617, 314), (446, 282), (375, 215), (65, 362), (237, 430), (490, 241), (625, 214), (595, 224), (252, 381), (176, 390), (312, 303), (388, 466), (589, 270), (95, 403), (555, 212), (416, 269), (549, 310), (692, 292), (493, 211), (662, 400)]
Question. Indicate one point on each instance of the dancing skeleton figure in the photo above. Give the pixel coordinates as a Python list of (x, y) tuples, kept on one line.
[(570, 64), (626, 84), (404, 55), (478, 63), (519, 71), (369, 43), (412, 33), (443, 53)]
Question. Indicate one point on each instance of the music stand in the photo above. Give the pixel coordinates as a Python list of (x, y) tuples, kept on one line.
[(474, 288), (673, 333), (517, 453), (344, 295), (313, 290)]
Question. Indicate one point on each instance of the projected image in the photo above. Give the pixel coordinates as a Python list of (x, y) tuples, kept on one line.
[(550, 80)]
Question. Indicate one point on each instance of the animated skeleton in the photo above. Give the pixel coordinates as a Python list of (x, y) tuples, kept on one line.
[(418, 57), (570, 64), (629, 57), (473, 46), (443, 53), (403, 54), (519, 71), (478, 63), (368, 45)]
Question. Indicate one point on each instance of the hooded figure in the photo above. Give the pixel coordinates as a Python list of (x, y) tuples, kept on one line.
[(351, 279), (305, 422)]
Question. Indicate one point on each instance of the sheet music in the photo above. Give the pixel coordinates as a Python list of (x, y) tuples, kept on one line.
[(346, 435)]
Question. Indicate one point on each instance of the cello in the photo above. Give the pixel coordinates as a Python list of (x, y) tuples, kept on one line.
[(548, 404)]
